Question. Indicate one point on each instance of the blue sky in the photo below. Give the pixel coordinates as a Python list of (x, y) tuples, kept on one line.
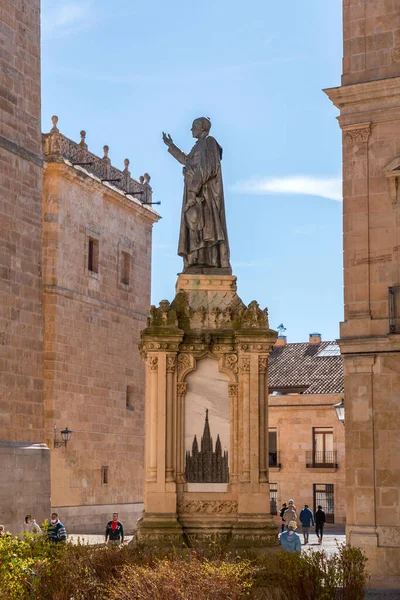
[(126, 71)]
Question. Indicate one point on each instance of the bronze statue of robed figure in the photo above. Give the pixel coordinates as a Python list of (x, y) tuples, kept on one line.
[(203, 237)]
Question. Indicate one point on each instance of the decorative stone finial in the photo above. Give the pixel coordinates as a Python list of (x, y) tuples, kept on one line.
[(54, 120), (82, 143), (147, 178), (106, 150), (141, 179), (126, 163)]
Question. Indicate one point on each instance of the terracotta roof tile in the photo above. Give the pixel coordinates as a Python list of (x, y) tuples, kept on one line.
[(298, 365)]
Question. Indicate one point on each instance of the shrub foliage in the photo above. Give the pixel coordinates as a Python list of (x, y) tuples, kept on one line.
[(31, 568)]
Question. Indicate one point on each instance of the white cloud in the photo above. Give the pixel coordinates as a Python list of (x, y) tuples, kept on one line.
[(324, 187), (66, 18)]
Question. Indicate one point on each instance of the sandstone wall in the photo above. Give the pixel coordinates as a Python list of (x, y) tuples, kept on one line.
[(294, 417), (24, 469), (92, 329)]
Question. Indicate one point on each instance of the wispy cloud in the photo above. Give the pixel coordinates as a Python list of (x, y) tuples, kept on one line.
[(59, 20), (167, 76), (324, 187)]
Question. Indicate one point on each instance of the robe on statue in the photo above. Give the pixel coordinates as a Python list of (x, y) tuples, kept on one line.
[(203, 237)]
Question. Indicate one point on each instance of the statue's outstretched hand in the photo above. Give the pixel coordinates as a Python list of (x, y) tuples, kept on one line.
[(167, 139)]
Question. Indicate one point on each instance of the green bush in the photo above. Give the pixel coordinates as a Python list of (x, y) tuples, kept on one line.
[(31, 568)]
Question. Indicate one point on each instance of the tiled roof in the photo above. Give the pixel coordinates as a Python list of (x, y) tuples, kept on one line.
[(298, 365)]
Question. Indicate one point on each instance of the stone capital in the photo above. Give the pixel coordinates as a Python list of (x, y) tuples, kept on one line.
[(357, 133), (359, 364)]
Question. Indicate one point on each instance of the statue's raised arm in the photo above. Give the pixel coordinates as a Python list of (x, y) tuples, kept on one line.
[(203, 237)]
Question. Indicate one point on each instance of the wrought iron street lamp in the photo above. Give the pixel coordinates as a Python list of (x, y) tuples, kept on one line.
[(339, 408), (65, 437)]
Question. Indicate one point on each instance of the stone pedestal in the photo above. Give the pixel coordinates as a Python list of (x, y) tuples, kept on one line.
[(207, 417)]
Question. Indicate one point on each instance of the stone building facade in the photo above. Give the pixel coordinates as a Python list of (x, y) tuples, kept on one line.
[(369, 103), (24, 458), (306, 440), (97, 229)]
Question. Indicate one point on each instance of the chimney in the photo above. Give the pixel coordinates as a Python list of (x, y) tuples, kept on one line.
[(315, 338), (281, 341)]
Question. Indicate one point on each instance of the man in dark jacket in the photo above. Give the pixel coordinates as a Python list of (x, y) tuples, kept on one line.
[(56, 530), (319, 523), (282, 512), (307, 520), (114, 531)]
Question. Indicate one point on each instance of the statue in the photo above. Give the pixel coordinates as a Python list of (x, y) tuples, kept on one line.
[(203, 237)]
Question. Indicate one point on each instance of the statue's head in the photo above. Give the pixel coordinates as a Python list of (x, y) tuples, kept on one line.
[(201, 127)]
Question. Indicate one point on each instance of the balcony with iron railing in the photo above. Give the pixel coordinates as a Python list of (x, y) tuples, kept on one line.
[(321, 460)]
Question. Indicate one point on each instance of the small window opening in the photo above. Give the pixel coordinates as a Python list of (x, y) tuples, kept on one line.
[(104, 475), (130, 397), (93, 255), (125, 268)]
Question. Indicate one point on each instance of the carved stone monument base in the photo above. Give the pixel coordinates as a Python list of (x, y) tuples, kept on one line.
[(207, 418)]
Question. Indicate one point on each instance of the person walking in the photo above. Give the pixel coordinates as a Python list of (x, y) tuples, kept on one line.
[(114, 531), (320, 519), (282, 512), (290, 513), (290, 540), (307, 520), (30, 525), (56, 531)]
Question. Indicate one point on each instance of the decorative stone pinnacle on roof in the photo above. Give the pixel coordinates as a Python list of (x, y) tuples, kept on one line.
[(54, 120), (82, 143), (59, 148), (126, 167)]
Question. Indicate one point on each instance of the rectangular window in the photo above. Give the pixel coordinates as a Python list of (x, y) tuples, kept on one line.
[(324, 496), (273, 448), (125, 268), (93, 255), (273, 498), (323, 453), (130, 397), (104, 475)]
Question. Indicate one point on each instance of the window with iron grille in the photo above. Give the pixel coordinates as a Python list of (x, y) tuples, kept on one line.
[(394, 309), (324, 496), (273, 498)]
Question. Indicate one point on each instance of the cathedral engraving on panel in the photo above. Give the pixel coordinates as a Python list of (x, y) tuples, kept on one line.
[(206, 465)]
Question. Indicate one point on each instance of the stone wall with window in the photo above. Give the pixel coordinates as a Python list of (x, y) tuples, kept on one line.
[(97, 261), (306, 452)]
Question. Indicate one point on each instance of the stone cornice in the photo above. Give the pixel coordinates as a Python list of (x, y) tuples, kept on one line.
[(20, 151), (80, 176), (364, 92), (369, 345)]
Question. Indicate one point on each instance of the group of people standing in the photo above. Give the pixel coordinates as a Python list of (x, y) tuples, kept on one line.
[(55, 530), (289, 539)]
